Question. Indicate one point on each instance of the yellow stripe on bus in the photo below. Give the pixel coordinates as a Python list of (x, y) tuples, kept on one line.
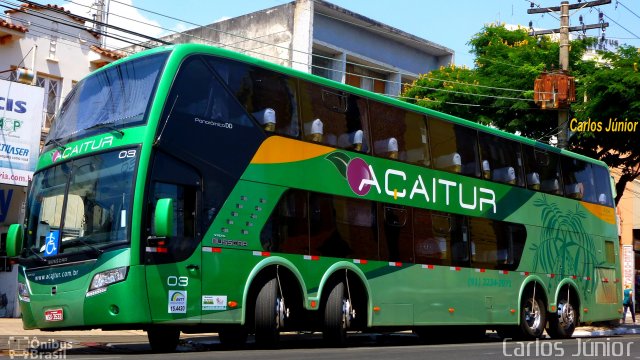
[(277, 149), (604, 213)]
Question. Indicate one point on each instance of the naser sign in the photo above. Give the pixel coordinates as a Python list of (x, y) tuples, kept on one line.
[(20, 122)]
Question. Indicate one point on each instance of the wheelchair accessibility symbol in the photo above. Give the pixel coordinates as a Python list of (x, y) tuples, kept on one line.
[(52, 243)]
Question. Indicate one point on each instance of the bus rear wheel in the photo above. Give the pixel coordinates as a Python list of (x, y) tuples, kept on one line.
[(163, 339), (338, 315), (563, 322), (532, 317), (269, 315)]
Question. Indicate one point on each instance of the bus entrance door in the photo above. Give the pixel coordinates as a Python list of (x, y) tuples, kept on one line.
[(173, 265)]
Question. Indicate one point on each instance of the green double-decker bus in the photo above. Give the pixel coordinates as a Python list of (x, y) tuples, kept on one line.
[(190, 188)]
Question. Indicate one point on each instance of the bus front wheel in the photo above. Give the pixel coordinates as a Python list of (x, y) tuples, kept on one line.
[(268, 315), (338, 315), (163, 339)]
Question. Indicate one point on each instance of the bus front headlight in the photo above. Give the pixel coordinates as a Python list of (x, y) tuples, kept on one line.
[(23, 292), (103, 279)]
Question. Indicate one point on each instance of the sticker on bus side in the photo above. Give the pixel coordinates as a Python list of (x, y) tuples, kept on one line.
[(177, 302), (214, 302)]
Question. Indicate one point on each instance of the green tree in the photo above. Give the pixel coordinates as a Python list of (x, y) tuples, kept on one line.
[(612, 92), (511, 59), (506, 60)]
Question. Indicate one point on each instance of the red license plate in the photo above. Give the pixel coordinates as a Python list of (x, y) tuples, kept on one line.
[(53, 315)]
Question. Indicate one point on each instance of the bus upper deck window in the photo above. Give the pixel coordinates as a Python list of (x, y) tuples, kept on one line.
[(266, 118)]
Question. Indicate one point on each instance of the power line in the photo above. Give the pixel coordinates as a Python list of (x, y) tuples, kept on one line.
[(306, 64), (540, 7), (287, 48), (59, 20), (100, 23), (48, 35), (618, 2), (627, 30)]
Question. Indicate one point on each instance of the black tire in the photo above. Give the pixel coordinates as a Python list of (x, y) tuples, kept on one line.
[(335, 324), (163, 339), (532, 317), (267, 327), (563, 322), (233, 336)]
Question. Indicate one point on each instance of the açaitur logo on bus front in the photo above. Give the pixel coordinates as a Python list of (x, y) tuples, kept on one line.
[(56, 156), (81, 148)]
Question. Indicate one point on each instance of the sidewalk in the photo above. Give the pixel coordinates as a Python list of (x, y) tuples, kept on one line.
[(13, 327), (622, 329)]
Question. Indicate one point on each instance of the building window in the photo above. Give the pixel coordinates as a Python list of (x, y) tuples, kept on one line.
[(51, 98), (365, 78), (321, 65)]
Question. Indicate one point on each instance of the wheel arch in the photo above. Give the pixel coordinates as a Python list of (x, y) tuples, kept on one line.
[(560, 291), (333, 273), (264, 270), (528, 284)]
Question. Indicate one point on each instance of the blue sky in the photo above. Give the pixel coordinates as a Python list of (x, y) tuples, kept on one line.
[(449, 23)]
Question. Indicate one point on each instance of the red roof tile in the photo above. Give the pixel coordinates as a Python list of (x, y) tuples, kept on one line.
[(24, 7), (108, 53), (8, 25)]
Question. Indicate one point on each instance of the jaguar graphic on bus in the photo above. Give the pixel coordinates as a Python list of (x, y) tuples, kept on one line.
[(189, 188)]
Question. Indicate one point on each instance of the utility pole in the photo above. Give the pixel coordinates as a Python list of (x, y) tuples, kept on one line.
[(563, 111), (100, 19)]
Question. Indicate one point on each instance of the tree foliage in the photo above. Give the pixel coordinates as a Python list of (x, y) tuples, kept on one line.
[(612, 93), (511, 59)]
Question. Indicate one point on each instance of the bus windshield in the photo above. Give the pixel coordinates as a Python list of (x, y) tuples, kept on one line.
[(118, 96), (80, 205)]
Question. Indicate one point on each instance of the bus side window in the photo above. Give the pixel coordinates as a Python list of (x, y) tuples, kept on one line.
[(579, 182), (496, 244), (432, 237), (342, 115), (399, 134), (325, 240), (603, 185), (440, 239), (287, 229), (269, 96), (396, 233), (501, 159), (454, 148), (543, 171)]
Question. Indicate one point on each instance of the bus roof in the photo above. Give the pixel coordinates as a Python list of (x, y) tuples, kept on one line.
[(179, 51)]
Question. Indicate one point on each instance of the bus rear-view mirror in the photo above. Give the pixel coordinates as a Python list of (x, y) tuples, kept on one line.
[(14, 240), (163, 220)]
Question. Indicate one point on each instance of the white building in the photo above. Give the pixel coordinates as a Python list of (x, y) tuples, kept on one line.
[(327, 40), (54, 50)]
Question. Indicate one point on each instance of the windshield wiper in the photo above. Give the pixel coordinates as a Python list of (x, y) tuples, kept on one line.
[(92, 247), (57, 143), (109, 126), (40, 258)]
